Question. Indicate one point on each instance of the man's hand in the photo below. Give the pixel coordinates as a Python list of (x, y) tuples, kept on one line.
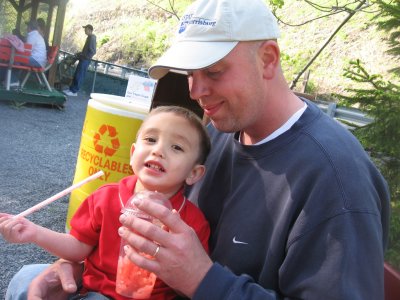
[(57, 281), (181, 261)]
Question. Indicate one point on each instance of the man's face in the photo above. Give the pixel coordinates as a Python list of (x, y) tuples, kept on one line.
[(87, 31), (231, 90)]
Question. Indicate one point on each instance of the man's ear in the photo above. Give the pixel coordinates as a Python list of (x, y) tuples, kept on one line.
[(196, 174), (270, 55)]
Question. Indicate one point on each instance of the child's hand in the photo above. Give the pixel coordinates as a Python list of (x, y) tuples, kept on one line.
[(16, 230)]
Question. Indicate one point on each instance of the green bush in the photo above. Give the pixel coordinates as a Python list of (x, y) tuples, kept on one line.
[(380, 99)]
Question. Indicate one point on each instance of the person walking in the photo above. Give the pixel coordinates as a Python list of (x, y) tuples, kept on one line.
[(84, 57)]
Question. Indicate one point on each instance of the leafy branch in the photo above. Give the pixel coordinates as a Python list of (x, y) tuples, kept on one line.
[(327, 10), (171, 10), (349, 16)]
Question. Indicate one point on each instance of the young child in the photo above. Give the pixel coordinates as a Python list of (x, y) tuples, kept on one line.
[(170, 150)]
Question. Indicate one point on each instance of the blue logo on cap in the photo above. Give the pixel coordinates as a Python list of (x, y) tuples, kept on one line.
[(182, 28), (190, 20)]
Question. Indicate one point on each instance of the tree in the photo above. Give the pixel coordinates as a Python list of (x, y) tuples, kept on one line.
[(391, 24), (323, 9), (378, 97), (381, 99), (8, 17)]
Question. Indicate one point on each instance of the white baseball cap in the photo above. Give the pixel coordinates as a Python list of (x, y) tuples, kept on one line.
[(210, 29)]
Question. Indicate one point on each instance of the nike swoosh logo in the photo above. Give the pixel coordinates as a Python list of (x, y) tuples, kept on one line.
[(235, 241)]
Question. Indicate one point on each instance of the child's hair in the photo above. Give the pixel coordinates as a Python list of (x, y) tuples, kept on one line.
[(194, 120)]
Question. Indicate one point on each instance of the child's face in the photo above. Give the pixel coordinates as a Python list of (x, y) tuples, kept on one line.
[(165, 153)]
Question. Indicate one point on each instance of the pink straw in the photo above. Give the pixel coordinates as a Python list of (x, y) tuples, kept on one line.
[(58, 195)]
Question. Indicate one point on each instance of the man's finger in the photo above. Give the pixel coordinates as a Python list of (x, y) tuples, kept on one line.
[(66, 273), (145, 244), (169, 218), (142, 261)]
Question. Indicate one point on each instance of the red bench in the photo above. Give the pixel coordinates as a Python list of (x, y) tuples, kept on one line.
[(9, 56)]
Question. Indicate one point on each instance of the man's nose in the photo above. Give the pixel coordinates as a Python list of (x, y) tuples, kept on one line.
[(198, 86)]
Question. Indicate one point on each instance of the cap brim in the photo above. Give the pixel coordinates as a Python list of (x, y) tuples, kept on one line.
[(190, 55)]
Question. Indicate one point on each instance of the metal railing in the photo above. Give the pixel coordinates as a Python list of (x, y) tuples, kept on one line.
[(98, 67), (350, 117)]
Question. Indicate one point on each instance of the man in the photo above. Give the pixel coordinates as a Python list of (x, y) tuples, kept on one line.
[(296, 208), (38, 57), (42, 31), (84, 57)]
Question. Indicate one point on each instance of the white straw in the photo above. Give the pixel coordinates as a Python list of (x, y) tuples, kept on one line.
[(58, 195)]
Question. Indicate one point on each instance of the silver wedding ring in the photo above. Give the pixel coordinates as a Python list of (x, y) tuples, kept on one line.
[(157, 250)]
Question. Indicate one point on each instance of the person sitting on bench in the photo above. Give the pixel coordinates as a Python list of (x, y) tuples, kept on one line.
[(38, 57)]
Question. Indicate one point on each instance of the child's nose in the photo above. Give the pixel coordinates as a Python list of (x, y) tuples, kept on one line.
[(158, 150)]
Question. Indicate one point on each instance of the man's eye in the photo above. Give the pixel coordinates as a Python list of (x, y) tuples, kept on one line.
[(177, 148), (213, 73)]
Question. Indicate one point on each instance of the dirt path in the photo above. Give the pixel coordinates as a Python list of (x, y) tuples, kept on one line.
[(38, 153)]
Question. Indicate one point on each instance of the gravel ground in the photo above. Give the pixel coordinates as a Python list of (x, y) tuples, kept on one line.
[(38, 147)]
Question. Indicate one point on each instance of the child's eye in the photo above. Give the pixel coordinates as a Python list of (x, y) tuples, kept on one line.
[(149, 140), (177, 148)]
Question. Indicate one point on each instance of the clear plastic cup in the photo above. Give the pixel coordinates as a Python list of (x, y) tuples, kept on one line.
[(133, 281)]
